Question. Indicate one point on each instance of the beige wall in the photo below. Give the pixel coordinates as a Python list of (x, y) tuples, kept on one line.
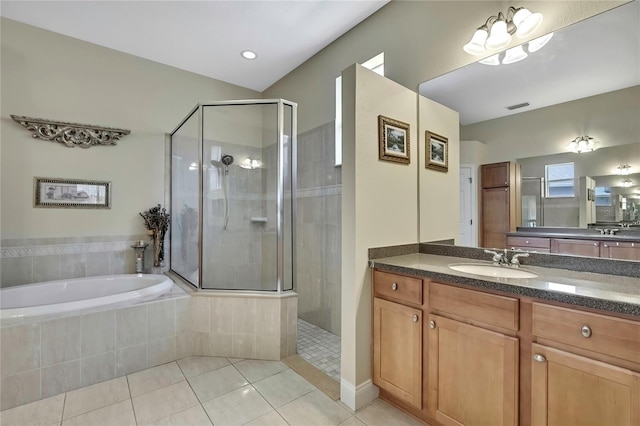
[(379, 205), (439, 209), (611, 118), (57, 77)]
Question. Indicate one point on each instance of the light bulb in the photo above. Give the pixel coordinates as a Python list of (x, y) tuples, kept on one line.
[(476, 45), (499, 36), (491, 60), (526, 22)]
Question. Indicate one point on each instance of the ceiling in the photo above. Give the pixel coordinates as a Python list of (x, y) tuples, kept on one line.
[(204, 37), (598, 55)]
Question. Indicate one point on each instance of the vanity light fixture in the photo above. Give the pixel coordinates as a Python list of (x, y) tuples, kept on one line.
[(626, 183), (518, 53), (496, 32), (249, 54), (582, 144), (623, 169)]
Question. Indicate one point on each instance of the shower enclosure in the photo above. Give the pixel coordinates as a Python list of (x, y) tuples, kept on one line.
[(232, 180)]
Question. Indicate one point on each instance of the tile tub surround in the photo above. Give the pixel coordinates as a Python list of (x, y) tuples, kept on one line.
[(45, 357), (25, 261), (203, 391), (597, 291), (244, 325)]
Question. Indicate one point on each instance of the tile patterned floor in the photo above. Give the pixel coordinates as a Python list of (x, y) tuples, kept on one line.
[(203, 391), (320, 348)]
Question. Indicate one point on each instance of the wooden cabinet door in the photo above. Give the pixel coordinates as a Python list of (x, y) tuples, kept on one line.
[(576, 247), (495, 175), (570, 390), (397, 350), (495, 217), (473, 374), (617, 250)]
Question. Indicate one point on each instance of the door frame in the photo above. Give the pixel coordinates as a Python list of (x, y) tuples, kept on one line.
[(474, 201)]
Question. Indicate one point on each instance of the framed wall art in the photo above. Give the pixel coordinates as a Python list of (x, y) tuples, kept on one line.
[(72, 193), (393, 140), (436, 152)]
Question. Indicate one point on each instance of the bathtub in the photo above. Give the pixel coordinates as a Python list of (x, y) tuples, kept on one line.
[(67, 296)]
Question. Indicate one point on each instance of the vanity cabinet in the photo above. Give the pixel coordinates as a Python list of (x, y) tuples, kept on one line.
[(574, 385), (397, 336), (530, 244), (500, 206), (575, 247), (620, 250)]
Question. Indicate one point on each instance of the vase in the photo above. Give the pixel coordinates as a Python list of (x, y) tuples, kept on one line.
[(157, 242)]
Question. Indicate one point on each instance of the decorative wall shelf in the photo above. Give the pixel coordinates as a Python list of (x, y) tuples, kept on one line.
[(70, 134)]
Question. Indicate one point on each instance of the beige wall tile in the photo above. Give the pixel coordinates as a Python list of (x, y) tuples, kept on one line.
[(161, 320), (183, 315), (20, 389), (200, 313), (97, 368), (98, 333), (45, 412), (243, 345), (267, 316), (219, 344), (60, 378), (221, 315), (20, 348), (60, 340), (16, 271), (131, 359), (244, 311), (47, 268), (73, 265), (184, 345), (131, 326), (268, 346), (98, 264), (161, 351)]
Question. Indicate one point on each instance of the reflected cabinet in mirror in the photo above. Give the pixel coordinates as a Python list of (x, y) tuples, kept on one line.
[(579, 198)]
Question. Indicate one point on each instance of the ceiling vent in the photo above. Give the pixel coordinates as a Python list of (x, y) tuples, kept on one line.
[(522, 105)]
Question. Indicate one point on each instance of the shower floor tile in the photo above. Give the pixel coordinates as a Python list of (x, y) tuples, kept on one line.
[(320, 348)]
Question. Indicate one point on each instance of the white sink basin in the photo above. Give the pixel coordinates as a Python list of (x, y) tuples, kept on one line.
[(491, 270)]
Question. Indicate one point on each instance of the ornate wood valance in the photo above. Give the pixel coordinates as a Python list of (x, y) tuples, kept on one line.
[(70, 134)]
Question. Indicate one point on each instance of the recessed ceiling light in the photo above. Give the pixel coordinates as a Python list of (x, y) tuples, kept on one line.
[(248, 54)]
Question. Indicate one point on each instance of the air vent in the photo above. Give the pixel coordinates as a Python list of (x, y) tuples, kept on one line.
[(522, 105)]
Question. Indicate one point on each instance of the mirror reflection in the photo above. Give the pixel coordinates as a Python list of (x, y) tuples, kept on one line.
[(582, 84)]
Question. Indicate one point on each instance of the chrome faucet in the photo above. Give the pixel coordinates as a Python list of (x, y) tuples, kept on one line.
[(515, 260), (498, 258)]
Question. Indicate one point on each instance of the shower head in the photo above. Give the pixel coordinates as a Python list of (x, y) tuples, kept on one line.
[(227, 159)]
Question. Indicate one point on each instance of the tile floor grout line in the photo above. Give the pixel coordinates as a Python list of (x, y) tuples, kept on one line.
[(133, 408), (193, 390)]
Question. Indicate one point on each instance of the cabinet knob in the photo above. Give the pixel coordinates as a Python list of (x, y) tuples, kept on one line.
[(415, 318), (526, 242), (585, 331), (539, 358), (394, 286), (432, 324)]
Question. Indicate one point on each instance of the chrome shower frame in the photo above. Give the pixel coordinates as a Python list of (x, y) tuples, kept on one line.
[(280, 190)]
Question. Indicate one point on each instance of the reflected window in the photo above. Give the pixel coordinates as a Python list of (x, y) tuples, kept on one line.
[(560, 180), (603, 196)]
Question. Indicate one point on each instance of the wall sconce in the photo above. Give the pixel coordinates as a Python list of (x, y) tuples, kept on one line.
[(250, 163), (582, 144), (496, 32), (518, 53), (626, 183), (623, 169)]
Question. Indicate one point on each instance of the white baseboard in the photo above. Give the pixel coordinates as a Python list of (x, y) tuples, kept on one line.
[(356, 397)]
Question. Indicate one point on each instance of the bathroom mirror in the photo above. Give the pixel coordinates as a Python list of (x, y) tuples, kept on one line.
[(584, 81)]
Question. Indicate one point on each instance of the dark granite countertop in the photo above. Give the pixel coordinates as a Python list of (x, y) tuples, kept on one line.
[(622, 236), (598, 291)]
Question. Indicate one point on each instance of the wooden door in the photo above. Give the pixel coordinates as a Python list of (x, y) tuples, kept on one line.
[(576, 247), (495, 217), (495, 175), (473, 374), (626, 251), (397, 350), (570, 390)]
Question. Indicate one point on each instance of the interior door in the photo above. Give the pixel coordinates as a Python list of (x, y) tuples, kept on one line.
[(466, 227)]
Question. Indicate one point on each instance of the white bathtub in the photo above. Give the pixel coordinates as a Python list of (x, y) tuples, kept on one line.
[(65, 296)]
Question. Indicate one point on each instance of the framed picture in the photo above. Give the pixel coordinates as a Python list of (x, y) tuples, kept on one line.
[(72, 193), (436, 152), (393, 139)]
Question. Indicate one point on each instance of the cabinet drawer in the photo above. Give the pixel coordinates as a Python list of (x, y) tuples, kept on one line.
[(537, 242), (487, 308), (399, 287), (616, 337)]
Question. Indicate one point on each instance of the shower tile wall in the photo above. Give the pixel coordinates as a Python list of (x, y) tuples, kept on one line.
[(25, 261), (318, 224)]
